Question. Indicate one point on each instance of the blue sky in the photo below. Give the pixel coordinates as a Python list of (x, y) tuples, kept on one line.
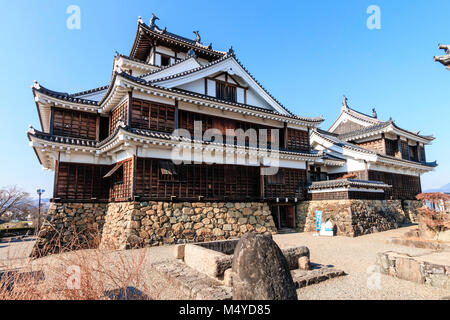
[(308, 54)]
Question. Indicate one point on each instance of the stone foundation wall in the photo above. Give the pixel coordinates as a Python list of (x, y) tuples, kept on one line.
[(70, 226), (352, 217), (140, 224)]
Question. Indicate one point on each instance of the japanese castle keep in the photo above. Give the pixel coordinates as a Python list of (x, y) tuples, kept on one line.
[(185, 145)]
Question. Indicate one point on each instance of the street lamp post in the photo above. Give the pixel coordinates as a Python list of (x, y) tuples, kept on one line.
[(39, 192)]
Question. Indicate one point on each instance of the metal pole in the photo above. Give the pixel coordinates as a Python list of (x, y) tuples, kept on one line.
[(39, 214)]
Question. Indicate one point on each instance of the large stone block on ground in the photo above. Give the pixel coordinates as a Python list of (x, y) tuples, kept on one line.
[(260, 270), (209, 262)]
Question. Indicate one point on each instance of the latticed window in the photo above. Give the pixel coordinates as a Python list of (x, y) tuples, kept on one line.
[(298, 140), (225, 91)]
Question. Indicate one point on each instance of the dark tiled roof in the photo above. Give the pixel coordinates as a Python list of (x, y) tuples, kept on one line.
[(339, 183), (340, 143), (141, 132), (335, 140), (361, 115), (64, 140), (373, 128), (64, 96), (427, 164), (377, 127), (165, 33), (82, 93), (334, 158)]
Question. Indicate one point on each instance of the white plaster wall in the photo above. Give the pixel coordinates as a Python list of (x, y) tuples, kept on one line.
[(255, 100), (197, 86), (211, 88), (240, 95), (178, 68)]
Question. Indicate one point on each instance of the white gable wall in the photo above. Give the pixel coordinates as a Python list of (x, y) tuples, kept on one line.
[(197, 86), (255, 100), (176, 69), (211, 88)]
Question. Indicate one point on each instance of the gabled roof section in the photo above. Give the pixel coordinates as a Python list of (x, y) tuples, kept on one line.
[(146, 34), (180, 94), (359, 119), (229, 64), (388, 126), (334, 139), (322, 137)]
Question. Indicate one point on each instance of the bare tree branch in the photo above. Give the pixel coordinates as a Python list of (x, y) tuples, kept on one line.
[(14, 200)]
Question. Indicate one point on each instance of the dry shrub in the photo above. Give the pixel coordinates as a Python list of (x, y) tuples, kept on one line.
[(432, 218), (92, 274)]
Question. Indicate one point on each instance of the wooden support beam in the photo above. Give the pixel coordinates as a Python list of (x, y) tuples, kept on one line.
[(261, 182), (130, 107)]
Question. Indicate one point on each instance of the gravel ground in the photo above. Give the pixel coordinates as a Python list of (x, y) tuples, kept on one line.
[(356, 256)]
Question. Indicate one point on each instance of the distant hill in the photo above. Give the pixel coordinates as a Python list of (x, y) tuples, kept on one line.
[(445, 189)]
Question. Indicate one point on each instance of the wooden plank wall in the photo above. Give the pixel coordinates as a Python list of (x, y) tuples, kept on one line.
[(118, 114), (211, 182), (186, 121), (76, 181), (121, 182), (404, 187), (287, 183), (298, 140), (74, 124), (374, 145), (152, 116)]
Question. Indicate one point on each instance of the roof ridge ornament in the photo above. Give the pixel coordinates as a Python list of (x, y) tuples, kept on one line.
[(445, 47), (374, 113), (31, 129), (198, 39), (344, 103), (230, 51), (152, 21), (140, 21), (36, 85)]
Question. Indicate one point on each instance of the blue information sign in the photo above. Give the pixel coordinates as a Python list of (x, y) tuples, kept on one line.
[(318, 220)]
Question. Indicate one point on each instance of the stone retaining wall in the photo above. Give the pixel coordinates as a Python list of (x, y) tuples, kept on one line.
[(139, 224), (70, 226), (352, 217)]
